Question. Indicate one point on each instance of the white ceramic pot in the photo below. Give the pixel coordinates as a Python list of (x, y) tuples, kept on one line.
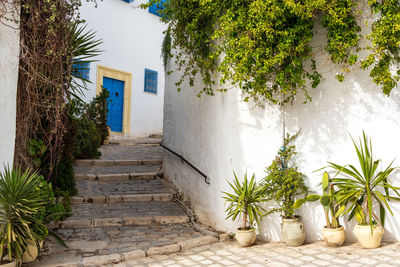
[(366, 238), (31, 253), (245, 238), (334, 237), (293, 233)]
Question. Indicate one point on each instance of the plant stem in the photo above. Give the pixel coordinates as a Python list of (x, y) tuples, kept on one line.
[(244, 220)]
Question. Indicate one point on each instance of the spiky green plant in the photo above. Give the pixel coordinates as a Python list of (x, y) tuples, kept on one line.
[(245, 201), (19, 203), (359, 189), (327, 200), (85, 47)]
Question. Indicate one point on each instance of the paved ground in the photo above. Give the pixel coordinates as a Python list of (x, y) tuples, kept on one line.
[(117, 169), (275, 255), (108, 240), (114, 152), (89, 188)]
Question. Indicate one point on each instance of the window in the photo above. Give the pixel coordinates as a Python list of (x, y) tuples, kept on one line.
[(157, 8), (150, 81), (81, 69), (128, 1)]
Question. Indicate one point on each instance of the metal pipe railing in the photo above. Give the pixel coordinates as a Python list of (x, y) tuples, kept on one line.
[(186, 161)]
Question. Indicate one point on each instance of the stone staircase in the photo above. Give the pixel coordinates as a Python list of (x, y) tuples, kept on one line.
[(124, 210)]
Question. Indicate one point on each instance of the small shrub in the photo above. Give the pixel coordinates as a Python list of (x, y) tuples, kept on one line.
[(97, 112)]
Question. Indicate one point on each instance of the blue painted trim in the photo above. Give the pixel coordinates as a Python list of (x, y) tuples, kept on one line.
[(157, 8), (81, 69), (150, 81)]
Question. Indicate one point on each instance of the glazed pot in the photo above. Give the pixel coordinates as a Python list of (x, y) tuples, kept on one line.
[(31, 253), (245, 238), (293, 233), (366, 238), (334, 237)]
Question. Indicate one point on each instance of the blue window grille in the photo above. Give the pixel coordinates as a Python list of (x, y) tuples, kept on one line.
[(150, 81), (81, 69), (157, 8)]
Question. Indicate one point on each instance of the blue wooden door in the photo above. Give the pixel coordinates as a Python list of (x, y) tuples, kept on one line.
[(115, 103)]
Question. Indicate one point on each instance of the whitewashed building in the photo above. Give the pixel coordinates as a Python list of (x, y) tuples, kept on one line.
[(221, 134), (130, 65), (9, 60)]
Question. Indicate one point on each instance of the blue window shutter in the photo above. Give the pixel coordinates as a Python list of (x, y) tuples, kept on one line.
[(81, 69), (150, 81), (157, 8)]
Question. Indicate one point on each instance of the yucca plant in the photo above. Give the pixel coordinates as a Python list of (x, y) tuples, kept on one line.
[(245, 201), (85, 47), (328, 201), (19, 203), (359, 189)]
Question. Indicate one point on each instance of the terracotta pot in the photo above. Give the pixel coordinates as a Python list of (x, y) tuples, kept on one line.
[(31, 253), (10, 264), (245, 238), (293, 233), (366, 238), (334, 237)]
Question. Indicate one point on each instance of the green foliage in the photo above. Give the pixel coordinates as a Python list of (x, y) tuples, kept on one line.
[(88, 139), (245, 201), (328, 201), (53, 210), (283, 181), (166, 47), (84, 48), (264, 46), (97, 112), (36, 150), (20, 202), (91, 126), (385, 47), (359, 189)]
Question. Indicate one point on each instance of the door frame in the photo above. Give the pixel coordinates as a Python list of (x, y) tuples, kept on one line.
[(126, 77)]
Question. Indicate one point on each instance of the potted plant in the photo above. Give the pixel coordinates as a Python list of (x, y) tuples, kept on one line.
[(244, 203), (359, 189), (333, 233), (19, 202), (282, 184)]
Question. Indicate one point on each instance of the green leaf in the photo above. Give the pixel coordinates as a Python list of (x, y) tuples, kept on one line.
[(313, 197), (325, 200), (299, 203)]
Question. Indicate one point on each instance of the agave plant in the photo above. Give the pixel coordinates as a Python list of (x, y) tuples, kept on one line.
[(245, 201), (328, 201), (359, 189), (19, 203)]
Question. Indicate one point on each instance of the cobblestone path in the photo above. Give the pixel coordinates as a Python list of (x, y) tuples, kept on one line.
[(123, 211), (275, 255)]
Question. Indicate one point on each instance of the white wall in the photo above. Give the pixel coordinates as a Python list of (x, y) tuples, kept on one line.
[(9, 60), (222, 134), (132, 39)]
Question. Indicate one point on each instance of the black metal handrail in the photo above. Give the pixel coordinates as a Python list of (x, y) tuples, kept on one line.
[(187, 162)]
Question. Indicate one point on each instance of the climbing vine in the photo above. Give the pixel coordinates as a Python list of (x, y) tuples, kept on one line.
[(264, 47)]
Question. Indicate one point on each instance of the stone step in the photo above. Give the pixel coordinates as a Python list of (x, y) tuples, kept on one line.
[(112, 152), (124, 191), (121, 239), (126, 162), (129, 198), (117, 177), (122, 214), (100, 170)]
